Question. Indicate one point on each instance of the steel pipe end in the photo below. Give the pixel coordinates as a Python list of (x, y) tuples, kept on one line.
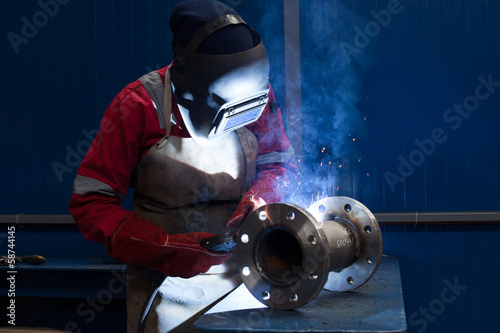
[(369, 234), (282, 255)]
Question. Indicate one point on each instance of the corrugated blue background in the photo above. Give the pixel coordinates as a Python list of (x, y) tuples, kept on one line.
[(363, 110), (380, 76), (395, 90)]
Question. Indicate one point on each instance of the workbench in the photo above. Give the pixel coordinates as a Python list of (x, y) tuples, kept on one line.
[(377, 306)]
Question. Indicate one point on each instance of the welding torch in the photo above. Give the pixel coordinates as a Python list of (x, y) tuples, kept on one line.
[(219, 243)]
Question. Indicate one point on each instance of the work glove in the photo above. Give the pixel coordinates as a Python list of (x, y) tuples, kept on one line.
[(247, 205), (267, 188), (138, 241)]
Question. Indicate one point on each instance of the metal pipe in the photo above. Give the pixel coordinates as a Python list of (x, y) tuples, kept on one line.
[(343, 243), (287, 254)]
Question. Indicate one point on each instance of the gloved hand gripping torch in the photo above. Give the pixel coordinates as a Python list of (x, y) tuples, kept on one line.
[(219, 243)]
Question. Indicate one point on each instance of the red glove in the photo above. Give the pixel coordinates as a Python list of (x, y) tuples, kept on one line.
[(248, 204), (138, 241), (268, 188)]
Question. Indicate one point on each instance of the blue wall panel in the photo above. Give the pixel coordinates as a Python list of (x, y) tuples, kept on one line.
[(363, 110), (434, 256), (368, 107), (402, 78), (62, 69)]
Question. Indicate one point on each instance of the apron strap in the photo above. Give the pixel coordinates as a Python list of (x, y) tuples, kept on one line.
[(250, 147), (161, 95), (167, 103), (167, 109)]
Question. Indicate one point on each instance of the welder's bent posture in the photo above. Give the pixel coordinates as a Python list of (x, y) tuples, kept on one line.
[(203, 144)]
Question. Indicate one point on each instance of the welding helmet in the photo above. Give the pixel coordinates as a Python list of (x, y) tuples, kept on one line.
[(216, 89)]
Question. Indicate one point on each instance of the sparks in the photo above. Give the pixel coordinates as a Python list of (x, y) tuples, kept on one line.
[(267, 215)]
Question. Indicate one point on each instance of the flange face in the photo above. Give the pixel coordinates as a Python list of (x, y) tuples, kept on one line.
[(282, 256), (370, 237)]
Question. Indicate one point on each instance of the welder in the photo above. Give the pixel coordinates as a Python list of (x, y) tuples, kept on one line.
[(203, 144)]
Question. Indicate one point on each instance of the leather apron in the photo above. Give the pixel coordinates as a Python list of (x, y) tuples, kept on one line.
[(183, 187)]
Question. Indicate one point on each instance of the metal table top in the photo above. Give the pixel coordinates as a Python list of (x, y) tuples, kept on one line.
[(376, 306)]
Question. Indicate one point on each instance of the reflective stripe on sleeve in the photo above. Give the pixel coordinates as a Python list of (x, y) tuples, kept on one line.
[(85, 185), (276, 157)]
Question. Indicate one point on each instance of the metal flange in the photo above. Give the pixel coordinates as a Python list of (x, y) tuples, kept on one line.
[(281, 254), (356, 215), (286, 254)]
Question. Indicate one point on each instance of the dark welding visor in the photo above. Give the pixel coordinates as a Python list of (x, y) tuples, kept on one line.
[(217, 94)]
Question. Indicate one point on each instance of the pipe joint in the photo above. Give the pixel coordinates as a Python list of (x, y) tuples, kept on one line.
[(286, 254)]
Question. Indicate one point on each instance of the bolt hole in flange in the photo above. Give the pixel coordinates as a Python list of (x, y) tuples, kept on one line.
[(350, 280), (244, 238), (312, 240), (347, 208)]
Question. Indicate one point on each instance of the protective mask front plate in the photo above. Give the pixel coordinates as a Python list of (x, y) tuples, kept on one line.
[(217, 94)]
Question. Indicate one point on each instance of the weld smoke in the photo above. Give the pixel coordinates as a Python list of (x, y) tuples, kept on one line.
[(331, 89)]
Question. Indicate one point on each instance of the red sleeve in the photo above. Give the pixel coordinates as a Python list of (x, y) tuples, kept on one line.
[(272, 138), (129, 127)]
